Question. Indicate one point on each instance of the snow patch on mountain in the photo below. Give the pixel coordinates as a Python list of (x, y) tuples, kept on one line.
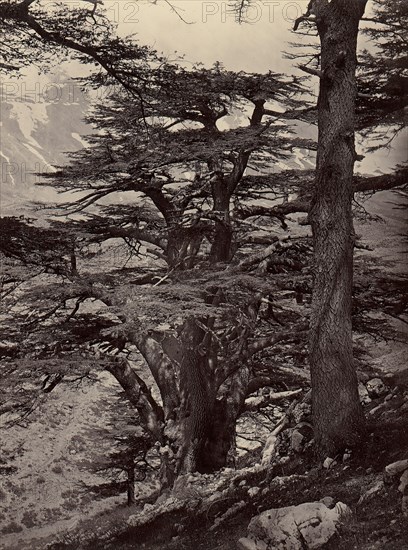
[(42, 119), (76, 136)]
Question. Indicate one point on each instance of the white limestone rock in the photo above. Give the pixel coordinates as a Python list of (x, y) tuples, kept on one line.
[(329, 463), (310, 525), (376, 388), (363, 393), (396, 468)]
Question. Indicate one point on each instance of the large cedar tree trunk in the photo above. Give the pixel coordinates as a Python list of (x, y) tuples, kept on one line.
[(338, 418), (197, 398), (221, 245), (195, 424), (222, 430)]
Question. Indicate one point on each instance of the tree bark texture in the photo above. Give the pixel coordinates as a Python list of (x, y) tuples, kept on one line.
[(197, 398), (131, 485), (338, 418), (222, 237)]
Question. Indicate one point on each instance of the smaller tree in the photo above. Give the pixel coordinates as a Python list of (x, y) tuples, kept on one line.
[(122, 451)]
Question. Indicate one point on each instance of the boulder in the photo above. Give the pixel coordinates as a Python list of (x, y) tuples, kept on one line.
[(396, 468), (310, 525), (376, 388), (329, 463)]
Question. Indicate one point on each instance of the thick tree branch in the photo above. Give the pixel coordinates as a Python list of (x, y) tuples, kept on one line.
[(139, 395), (361, 184), (300, 333), (265, 400), (311, 71)]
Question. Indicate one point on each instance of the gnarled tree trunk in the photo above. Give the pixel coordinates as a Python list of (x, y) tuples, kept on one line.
[(197, 397), (228, 407), (338, 418)]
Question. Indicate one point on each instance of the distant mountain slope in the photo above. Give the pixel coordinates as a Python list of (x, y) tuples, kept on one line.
[(40, 122)]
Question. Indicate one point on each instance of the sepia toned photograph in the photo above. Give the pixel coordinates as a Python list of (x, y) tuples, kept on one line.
[(204, 283)]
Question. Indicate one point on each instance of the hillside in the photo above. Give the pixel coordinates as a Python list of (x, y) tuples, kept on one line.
[(41, 119)]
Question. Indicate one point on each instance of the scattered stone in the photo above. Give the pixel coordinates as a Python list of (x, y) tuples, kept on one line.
[(253, 491), (369, 471), (215, 496), (403, 486), (284, 460), (363, 393), (388, 397), (396, 467), (342, 510), (242, 483), (329, 463), (346, 456), (297, 441), (376, 388), (310, 525), (248, 544)]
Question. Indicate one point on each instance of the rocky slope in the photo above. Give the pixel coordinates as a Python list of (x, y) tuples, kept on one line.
[(41, 119)]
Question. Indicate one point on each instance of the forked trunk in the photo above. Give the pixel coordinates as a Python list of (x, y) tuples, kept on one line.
[(338, 417)]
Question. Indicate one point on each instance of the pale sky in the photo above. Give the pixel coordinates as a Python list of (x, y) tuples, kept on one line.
[(214, 34)]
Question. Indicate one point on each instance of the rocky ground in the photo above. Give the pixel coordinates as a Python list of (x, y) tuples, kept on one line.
[(213, 512)]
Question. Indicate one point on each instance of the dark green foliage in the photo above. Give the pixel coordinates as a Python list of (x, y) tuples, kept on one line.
[(383, 78)]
